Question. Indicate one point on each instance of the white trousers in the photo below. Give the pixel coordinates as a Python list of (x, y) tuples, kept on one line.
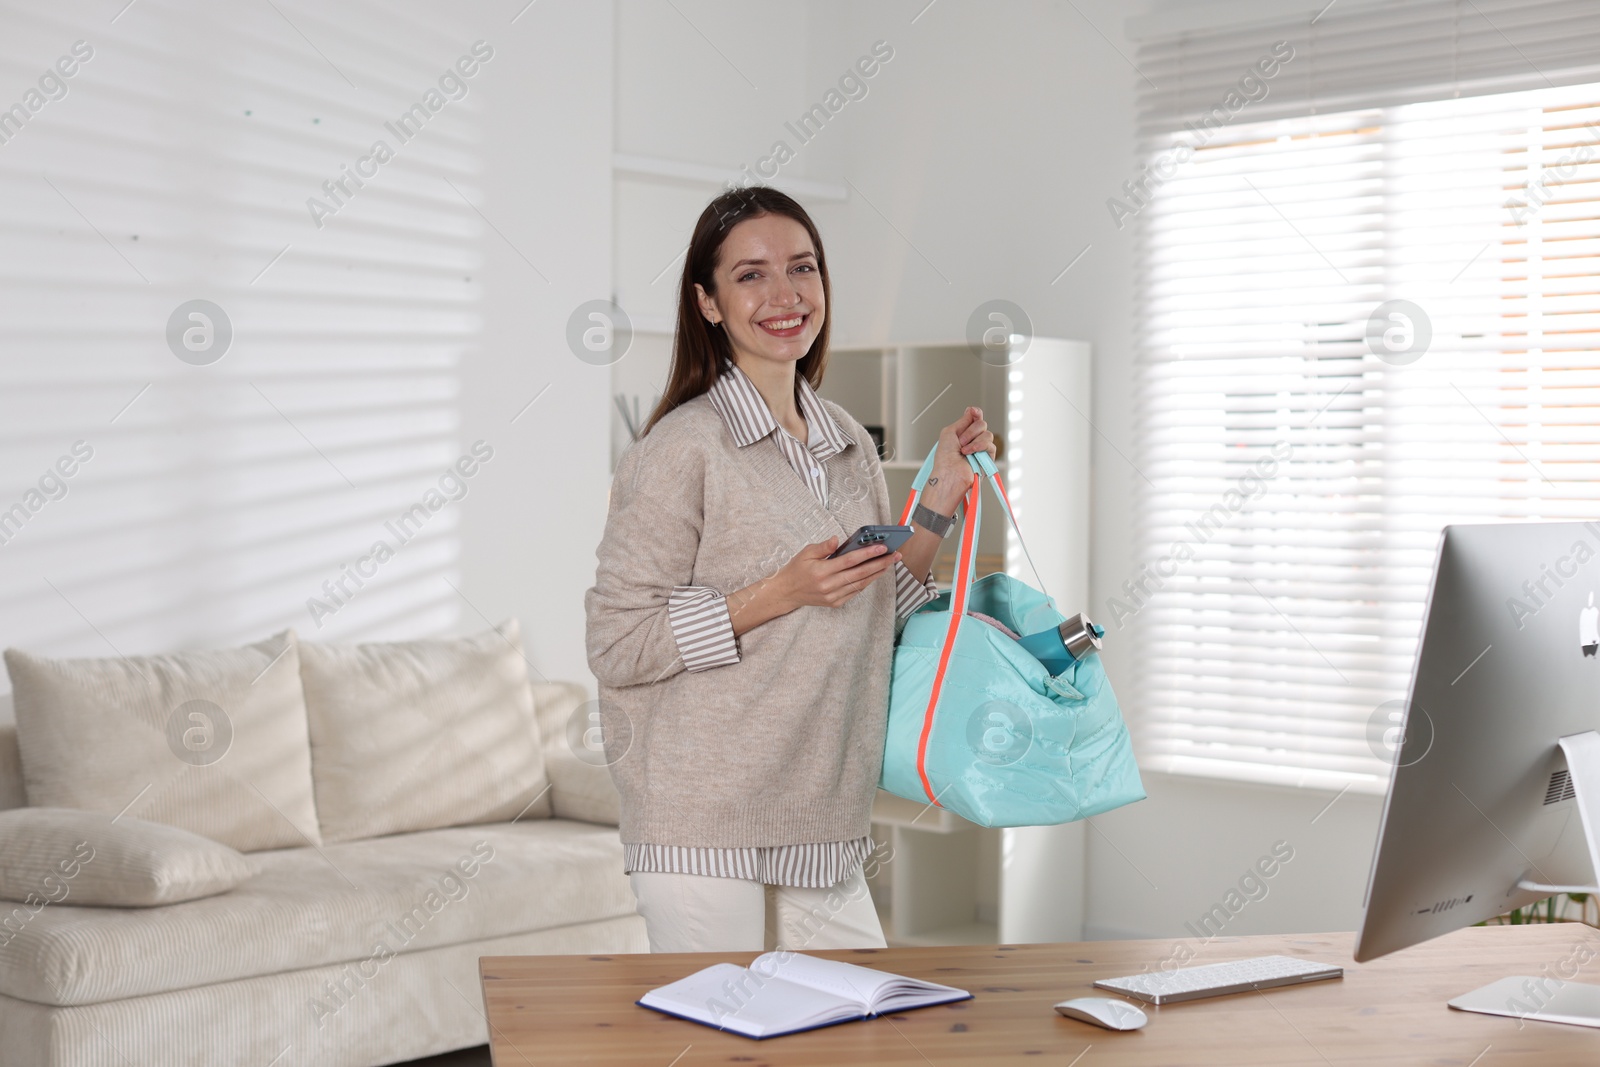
[(706, 913)]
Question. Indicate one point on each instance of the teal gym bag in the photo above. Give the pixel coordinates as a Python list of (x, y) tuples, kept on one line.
[(977, 725)]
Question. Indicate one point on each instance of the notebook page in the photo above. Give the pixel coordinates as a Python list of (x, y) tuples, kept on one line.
[(874, 991), (846, 980), (727, 996), (915, 993)]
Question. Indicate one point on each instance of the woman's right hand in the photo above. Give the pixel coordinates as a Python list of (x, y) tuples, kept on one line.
[(810, 578)]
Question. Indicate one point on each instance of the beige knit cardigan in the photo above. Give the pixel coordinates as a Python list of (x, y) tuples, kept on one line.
[(786, 745)]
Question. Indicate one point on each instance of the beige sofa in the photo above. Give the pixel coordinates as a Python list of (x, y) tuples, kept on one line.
[(283, 969)]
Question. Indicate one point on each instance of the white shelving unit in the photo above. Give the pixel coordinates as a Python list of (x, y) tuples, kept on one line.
[(946, 881)]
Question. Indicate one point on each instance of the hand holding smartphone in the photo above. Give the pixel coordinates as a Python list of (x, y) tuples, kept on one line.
[(809, 579), (891, 537)]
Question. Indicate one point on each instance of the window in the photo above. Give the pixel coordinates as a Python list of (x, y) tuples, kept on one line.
[(1357, 327)]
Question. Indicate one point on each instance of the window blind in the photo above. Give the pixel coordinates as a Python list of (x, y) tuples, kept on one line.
[(1361, 53), (227, 498), (1304, 437)]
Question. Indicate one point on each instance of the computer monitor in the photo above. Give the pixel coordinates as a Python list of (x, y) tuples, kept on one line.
[(1499, 761)]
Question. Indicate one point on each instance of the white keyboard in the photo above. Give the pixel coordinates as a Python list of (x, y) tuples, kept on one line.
[(1216, 979)]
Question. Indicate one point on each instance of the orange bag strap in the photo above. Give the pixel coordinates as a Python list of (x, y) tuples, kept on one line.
[(965, 566)]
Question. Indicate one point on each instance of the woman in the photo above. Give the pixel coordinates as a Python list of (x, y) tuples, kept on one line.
[(744, 677)]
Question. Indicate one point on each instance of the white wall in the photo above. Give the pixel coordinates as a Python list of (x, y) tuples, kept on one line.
[(364, 361), (527, 545), (976, 157), (709, 83), (1165, 862)]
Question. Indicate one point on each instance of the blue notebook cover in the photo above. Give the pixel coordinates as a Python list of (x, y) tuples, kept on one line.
[(803, 1029)]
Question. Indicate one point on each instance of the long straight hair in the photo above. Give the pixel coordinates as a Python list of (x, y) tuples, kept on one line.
[(698, 348)]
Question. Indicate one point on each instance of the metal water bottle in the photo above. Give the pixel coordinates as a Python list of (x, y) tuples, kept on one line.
[(1061, 646)]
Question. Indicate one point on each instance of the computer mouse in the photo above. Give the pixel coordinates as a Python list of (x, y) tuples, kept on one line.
[(1108, 1012)]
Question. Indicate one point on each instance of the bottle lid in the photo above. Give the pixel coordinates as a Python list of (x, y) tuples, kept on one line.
[(1080, 635)]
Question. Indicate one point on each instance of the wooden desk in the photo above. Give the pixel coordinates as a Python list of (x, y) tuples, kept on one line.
[(579, 1009)]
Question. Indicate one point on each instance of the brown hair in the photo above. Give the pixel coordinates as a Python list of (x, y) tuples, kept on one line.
[(698, 348)]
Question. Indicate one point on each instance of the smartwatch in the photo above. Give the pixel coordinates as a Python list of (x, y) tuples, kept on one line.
[(932, 521)]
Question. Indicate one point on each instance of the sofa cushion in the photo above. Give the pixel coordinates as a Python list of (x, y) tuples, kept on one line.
[(309, 907), (213, 742), (580, 785), (11, 793), (413, 735), (341, 1015), (53, 855)]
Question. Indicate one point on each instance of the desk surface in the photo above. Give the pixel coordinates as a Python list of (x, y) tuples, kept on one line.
[(572, 1009)]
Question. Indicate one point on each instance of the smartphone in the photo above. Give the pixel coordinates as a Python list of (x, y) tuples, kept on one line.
[(867, 536)]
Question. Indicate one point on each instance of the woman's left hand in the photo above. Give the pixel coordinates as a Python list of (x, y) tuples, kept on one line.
[(952, 472)]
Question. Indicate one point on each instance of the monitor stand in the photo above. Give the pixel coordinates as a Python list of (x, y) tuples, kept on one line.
[(1582, 752), (1544, 998)]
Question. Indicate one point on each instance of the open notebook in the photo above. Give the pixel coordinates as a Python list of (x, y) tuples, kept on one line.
[(781, 993)]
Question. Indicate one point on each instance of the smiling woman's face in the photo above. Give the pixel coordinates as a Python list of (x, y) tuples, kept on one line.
[(768, 290)]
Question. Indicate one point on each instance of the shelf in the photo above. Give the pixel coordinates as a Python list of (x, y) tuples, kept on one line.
[(944, 568), (891, 810), (970, 934), (965, 934)]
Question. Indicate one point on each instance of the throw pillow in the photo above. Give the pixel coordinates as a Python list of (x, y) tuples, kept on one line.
[(413, 735), (86, 858), (580, 782), (213, 742)]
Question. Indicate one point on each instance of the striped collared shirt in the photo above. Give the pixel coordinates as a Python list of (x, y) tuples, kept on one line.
[(700, 623)]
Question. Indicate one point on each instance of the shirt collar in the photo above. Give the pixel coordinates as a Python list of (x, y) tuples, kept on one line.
[(748, 418)]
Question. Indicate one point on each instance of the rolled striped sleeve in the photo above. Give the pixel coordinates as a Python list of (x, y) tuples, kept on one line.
[(700, 624), (910, 594)]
